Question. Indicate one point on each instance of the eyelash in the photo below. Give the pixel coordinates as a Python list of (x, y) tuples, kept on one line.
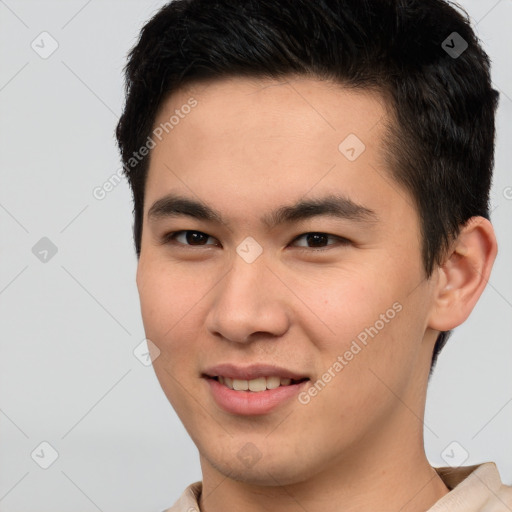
[(170, 238)]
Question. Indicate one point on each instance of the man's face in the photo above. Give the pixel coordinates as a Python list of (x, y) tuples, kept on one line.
[(339, 300)]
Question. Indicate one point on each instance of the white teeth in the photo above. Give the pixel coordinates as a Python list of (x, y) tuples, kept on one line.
[(273, 382), (259, 384), (255, 385), (240, 385)]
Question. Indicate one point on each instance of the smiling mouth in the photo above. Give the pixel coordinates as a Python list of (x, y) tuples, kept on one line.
[(256, 385)]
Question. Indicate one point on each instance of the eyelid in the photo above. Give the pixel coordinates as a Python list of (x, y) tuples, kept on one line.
[(171, 237), (341, 240)]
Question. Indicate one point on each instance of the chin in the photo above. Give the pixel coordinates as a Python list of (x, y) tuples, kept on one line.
[(266, 471)]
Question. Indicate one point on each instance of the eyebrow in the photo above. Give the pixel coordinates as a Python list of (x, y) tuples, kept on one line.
[(333, 205)]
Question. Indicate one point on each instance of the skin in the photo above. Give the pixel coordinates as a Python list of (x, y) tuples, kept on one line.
[(248, 147)]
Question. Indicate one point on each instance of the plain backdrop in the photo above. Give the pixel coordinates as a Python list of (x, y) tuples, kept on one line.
[(70, 318)]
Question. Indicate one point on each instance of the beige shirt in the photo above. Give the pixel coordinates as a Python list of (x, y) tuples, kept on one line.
[(472, 488)]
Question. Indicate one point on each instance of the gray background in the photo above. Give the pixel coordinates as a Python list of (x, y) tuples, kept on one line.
[(68, 375)]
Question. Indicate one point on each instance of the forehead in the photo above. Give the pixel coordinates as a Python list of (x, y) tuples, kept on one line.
[(266, 108)]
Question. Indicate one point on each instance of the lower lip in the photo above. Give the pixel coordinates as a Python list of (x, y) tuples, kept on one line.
[(252, 402)]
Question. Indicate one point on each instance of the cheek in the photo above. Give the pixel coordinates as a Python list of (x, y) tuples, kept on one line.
[(345, 302), (169, 298), (364, 321)]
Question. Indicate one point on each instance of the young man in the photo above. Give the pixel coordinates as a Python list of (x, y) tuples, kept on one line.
[(311, 188)]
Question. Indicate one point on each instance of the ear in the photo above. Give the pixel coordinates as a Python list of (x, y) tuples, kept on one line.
[(464, 274)]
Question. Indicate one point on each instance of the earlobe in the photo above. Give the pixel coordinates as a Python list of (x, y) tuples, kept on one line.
[(464, 274)]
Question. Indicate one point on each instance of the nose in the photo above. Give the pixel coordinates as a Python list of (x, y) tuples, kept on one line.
[(248, 302)]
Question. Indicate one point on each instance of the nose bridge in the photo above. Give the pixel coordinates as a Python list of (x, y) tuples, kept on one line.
[(247, 300)]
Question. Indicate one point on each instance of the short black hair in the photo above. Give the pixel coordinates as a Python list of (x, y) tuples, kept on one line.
[(421, 54)]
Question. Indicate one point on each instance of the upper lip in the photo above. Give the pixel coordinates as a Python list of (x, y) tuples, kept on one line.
[(251, 372)]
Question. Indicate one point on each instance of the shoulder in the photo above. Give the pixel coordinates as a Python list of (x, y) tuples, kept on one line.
[(474, 488), (189, 500)]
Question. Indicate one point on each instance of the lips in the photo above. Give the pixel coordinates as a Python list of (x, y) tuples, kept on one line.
[(253, 390)]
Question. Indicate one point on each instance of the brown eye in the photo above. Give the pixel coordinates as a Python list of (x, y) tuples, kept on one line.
[(320, 240), (188, 237)]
